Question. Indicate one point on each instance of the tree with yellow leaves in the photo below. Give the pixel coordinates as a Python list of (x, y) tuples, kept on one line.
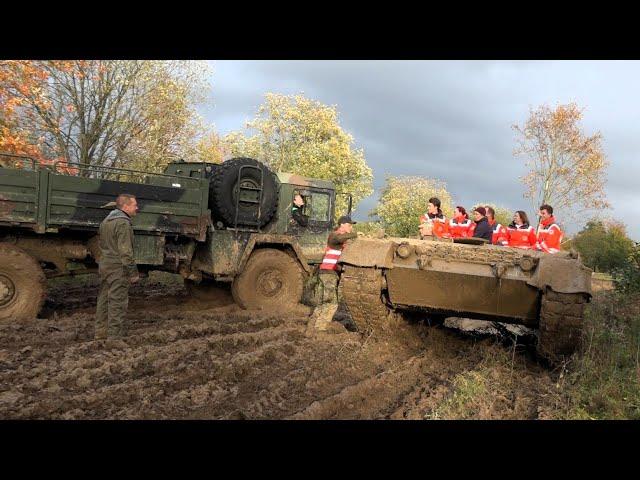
[(210, 148), (504, 216), (567, 168), (294, 134), (125, 113), (172, 127), (405, 198)]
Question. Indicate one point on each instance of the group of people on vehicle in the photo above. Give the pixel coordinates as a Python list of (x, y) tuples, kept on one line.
[(519, 233)]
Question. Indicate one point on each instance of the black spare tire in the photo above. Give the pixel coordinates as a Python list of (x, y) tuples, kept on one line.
[(224, 193)]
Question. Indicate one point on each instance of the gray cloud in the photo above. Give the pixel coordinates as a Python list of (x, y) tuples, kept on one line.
[(450, 120)]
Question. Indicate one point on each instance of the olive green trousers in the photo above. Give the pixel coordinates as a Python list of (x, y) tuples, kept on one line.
[(113, 300)]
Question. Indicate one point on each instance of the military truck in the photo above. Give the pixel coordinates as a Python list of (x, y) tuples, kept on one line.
[(467, 278), (210, 223)]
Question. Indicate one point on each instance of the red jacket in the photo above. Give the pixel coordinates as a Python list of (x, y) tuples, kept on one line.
[(523, 236), (459, 227), (440, 225), (549, 236), (500, 235)]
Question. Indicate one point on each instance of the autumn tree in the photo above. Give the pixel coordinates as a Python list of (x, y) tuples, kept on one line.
[(603, 245), (17, 80), (172, 127), (210, 148), (109, 112), (295, 134), (405, 198), (567, 168)]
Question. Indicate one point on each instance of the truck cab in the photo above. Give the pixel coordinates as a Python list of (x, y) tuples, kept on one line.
[(319, 206)]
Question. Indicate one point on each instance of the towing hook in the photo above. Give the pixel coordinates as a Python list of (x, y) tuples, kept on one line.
[(499, 269)]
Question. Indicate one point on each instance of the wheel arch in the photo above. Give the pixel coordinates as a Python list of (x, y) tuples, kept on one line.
[(278, 242)]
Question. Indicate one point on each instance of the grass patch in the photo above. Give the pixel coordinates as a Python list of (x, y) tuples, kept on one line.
[(601, 276), (500, 387), (602, 381), (469, 391)]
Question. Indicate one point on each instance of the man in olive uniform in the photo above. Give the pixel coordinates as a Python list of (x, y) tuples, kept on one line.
[(117, 268), (296, 211), (328, 274)]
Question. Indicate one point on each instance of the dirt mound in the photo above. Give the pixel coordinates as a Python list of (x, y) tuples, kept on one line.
[(186, 359)]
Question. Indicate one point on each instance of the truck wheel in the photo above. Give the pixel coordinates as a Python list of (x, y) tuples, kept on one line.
[(224, 192), (271, 279), (362, 292), (22, 285), (561, 317)]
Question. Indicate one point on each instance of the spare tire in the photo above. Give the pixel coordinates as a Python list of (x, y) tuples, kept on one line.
[(224, 192)]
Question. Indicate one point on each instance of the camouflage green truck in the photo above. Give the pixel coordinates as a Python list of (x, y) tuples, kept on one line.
[(210, 223)]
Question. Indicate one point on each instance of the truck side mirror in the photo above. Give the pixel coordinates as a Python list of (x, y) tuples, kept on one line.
[(350, 202)]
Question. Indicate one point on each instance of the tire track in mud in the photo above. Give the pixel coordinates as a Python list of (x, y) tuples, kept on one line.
[(166, 396), (365, 398), (79, 328), (380, 395), (224, 363), (322, 367), (183, 358)]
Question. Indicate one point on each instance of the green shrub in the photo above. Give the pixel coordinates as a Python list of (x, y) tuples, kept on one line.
[(626, 278)]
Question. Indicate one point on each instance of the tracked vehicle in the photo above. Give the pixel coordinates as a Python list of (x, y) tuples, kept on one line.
[(486, 282)]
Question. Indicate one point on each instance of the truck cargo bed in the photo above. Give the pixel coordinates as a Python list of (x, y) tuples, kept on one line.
[(44, 200)]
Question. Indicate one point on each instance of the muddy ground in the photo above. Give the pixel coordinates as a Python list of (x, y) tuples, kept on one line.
[(186, 359)]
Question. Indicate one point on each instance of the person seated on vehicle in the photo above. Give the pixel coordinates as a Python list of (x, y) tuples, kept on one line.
[(520, 233), (481, 227), (296, 211), (549, 233), (434, 223), (491, 215), (499, 236), (460, 224)]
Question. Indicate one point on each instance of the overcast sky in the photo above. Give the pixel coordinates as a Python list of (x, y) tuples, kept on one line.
[(451, 120)]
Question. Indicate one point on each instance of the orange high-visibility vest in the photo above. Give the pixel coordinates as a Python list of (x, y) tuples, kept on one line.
[(330, 259)]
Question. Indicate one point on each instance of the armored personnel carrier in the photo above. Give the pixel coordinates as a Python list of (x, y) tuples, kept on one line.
[(486, 282)]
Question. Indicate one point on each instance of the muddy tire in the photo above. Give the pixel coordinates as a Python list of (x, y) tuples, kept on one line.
[(361, 290), (272, 279), (207, 290), (561, 318), (22, 285), (93, 245), (224, 192)]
